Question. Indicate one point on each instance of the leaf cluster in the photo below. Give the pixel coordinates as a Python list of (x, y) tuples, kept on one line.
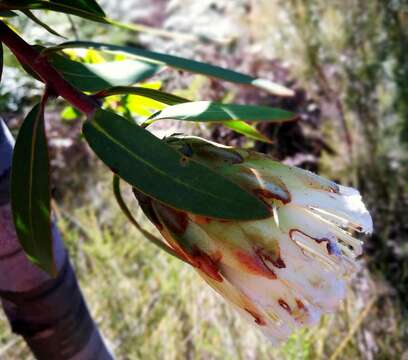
[(130, 151)]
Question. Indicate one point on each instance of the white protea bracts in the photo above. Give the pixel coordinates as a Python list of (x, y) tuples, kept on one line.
[(282, 272)]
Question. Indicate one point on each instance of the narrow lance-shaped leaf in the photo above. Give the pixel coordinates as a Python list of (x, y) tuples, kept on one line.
[(208, 111), (34, 18), (96, 77), (58, 6), (161, 96), (183, 64), (7, 14), (170, 99), (243, 128), (163, 173), (87, 5), (1, 61), (90, 14), (30, 191)]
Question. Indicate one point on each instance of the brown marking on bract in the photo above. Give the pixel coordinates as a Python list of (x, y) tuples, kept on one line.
[(217, 256), (275, 258), (279, 263), (207, 264), (184, 161), (334, 189), (145, 203), (175, 220), (267, 194), (301, 312), (176, 247), (329, 246), (201, 220), (357, 227), (285, 305), (257, 318), (255, 265), (300, 305)]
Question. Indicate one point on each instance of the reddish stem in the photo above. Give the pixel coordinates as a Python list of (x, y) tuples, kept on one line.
[(30, 57)]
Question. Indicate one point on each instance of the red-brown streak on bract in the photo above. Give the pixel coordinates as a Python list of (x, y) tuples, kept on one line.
[(270, 195), (257, 318), (255, 265), (176, 247), (201, 220), (285, 305), (329, 248), (176, 221), (207, 264), (277, 261), (300, 305), (319, 241)]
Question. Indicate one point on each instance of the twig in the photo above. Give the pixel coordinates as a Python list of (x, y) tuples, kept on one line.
[(30, 57), (73, 27)]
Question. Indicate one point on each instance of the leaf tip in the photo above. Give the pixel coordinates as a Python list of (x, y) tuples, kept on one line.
[(273, 88)]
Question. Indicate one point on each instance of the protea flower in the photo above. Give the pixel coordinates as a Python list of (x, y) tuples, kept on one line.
[(282, 272)]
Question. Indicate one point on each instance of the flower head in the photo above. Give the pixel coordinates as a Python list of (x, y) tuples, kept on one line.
[(282, 272)]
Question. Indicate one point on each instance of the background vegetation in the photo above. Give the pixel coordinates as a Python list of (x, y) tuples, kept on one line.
[(348, 62)]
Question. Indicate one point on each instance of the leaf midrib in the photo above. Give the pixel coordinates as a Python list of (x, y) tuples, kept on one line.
[(97, 126), (30, 183)]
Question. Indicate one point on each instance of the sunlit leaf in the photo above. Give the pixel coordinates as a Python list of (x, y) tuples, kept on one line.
[(160, 96), (95, 77), (70, 113), (243, 128), (142, 105), (169, 99), (183, 64), (94, 57), (161, 172), (30, 191)]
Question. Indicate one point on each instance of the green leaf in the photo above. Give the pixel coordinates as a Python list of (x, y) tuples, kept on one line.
[(7, 14), (89, 12), (70, 113), (66, 7), (95, 77), (30, 191), (1, 61), (170, 99), (31, 16), (161, 172), (208, 111), (182, 64), (87, 5), (243, 128), (161, 96)]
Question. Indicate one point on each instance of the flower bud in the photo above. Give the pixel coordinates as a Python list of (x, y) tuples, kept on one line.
[(282, 272)]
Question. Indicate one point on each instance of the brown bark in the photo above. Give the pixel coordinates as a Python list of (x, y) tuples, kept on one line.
[(50, 313)]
